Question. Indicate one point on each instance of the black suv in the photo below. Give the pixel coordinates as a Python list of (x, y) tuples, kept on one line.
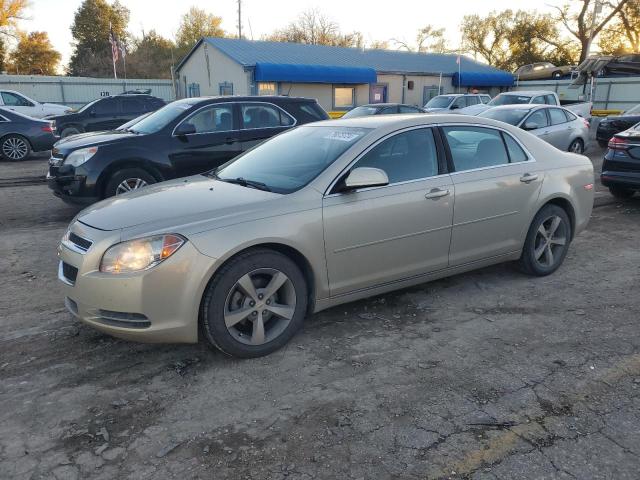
[(106, 113), (183, 138)]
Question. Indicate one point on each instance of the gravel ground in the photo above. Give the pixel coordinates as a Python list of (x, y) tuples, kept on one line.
[(487, 375)]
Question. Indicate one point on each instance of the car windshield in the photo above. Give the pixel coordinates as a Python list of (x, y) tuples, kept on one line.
[(83, 108), (441, 101), (289, 161), (633, 111), (508, 115), (160, 118), (360, 112), (509, 100)]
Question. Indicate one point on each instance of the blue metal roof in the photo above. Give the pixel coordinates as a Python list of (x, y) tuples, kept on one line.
[(482, 79), (249, 53), (284, 72)]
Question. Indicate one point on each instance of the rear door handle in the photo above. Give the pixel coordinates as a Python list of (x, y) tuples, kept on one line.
[(436, 193), (528, 178)]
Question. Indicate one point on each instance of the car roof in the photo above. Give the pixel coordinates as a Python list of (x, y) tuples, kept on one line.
[(528, 93), (405, 119), (247, 98)]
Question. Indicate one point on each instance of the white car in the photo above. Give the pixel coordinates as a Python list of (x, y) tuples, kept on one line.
[(20, 103)]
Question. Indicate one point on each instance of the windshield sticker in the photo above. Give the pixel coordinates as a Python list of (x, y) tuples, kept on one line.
[(343, 136)]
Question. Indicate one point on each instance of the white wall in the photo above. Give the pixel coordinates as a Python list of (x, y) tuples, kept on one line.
[(221, 69)]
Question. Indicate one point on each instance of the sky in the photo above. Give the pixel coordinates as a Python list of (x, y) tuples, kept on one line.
[(377, 20)]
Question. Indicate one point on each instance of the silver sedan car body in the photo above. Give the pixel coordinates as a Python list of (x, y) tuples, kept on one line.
[(325, 214), (556, 125)]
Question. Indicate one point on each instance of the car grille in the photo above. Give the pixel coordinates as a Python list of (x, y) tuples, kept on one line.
[(79, 242), (69, 272)]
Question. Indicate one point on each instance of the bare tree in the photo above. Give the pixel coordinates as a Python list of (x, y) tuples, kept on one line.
[(428, 39), (314, 28), (580, 21)]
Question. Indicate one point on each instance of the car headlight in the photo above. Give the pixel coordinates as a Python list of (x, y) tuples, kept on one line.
[(140, 254), (79, 157)]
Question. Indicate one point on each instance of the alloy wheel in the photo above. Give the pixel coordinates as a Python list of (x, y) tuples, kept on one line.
[(576, 147), (551, 240), (130, 184), (14, 148), (260, 306)]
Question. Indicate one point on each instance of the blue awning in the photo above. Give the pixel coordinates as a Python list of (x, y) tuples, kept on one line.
[(483, 79), (284, 72)]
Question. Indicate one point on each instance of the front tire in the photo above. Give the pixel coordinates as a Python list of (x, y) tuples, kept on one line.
[(15, 148), (547, 242), (621, 193), (254, 304), (127, 180), (68, 131), (577, 146)]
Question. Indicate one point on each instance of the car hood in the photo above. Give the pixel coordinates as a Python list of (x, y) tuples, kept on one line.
[(55, 106), (91, 139), (183, 201), (473, 109)]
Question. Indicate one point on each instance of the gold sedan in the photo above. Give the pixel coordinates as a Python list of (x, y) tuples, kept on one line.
[(323, 214)]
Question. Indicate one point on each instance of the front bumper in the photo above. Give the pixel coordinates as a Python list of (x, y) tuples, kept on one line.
[(158, 305)]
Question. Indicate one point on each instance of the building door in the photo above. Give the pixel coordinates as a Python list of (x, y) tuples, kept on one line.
[(378, 94), (428, 92)]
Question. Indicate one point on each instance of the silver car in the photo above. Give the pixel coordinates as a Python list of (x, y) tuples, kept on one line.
[(556, 125), (323, 214)]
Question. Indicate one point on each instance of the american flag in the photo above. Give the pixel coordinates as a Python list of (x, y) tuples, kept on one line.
[(114, 44)]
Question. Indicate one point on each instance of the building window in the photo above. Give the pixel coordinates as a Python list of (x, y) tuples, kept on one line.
[(344, 97), (226, 89), (267, 88)]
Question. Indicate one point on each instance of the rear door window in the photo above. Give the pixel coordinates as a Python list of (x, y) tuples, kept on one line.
[(516, 153), (539, 100), (211, 119), (550, 100), (539, 118), (557, 116), (475, 147), (264, 116), (133, 105)]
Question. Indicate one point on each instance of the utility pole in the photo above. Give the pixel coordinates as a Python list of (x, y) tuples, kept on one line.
[(597, 8), (239, 18)]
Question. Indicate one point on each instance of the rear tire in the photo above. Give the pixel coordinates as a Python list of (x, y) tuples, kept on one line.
[(15, 148), (126, 180), (68, 131), (258, 320), (547, 242), (621, 193), (577, 146)]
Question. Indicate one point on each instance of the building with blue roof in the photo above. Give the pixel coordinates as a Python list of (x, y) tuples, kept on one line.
[(339, 78)]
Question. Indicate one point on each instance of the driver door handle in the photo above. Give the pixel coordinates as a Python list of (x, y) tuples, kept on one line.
[(528, 178), (436, 193)]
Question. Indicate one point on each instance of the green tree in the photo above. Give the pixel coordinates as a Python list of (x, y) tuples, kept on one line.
[(510, 39), (623, 35), (151, 57), (34, 55), (194, 25), (577, 17), (314, 28), (92, 51)]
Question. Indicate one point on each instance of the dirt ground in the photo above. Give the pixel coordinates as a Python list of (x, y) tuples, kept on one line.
[(487, 375)]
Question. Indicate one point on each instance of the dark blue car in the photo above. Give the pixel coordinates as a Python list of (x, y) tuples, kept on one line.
[(621, 165), (20, 135)]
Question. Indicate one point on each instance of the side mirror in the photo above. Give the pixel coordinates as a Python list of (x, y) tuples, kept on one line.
[(363, 177), (530, 126), (185, 128)]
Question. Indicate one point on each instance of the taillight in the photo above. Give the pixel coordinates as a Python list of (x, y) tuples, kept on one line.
[(47, 128), (586, 123), (617, 143)]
